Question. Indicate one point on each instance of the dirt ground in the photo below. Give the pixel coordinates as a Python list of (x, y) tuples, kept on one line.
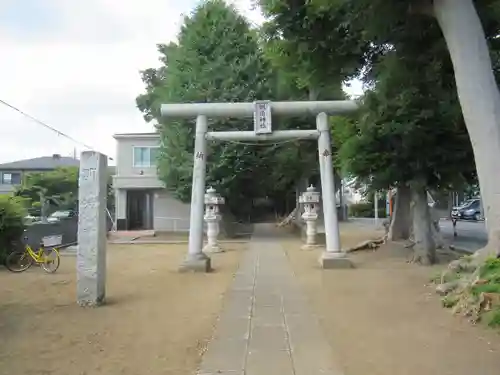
[(156, 320), (383, 317)]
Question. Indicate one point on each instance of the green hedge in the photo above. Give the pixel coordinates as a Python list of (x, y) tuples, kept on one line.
[(12, 213), (365, 210)]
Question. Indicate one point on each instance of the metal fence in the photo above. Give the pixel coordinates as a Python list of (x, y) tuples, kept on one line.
[(67, 228)]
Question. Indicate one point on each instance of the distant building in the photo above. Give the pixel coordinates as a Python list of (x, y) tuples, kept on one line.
[(12, 174), (141, 198)]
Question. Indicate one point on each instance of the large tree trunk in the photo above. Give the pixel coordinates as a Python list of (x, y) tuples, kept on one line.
[(401, 220), (480, 101), (339, 188), (425, 247)]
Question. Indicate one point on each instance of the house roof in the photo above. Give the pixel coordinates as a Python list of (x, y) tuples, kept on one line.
[(137, 135), (42, 163)]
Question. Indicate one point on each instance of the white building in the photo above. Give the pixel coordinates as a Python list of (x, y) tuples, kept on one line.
[(141, 200)]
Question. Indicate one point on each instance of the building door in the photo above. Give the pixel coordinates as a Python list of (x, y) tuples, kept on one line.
[(139, 210)]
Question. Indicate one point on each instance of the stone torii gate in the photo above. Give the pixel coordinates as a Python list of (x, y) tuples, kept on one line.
[(261, 111)]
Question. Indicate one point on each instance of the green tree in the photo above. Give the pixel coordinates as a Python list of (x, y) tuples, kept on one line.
[(403, 147), (313, 43), (361, 33), (58, 188), (218, 59), (411, 133), (12, 213)]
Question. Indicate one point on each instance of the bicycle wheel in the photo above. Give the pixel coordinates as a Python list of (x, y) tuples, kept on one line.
[(51, 261), (18, 261)]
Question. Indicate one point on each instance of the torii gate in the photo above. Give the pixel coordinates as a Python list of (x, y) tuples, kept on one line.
[(261, 111)]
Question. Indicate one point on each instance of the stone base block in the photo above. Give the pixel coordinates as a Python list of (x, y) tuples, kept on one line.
[(199, 263), (213, 249), (91, 303), (320, 236), (329, 260)]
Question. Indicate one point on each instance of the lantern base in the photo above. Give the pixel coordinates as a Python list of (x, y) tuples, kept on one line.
[(212, 249), (198, 263), (332, 260)]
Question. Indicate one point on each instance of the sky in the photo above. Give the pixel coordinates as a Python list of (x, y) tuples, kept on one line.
[(76, 66)]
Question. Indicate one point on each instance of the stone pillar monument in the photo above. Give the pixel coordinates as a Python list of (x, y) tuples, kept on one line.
[(310, 200), (212, 218), (92, 228)]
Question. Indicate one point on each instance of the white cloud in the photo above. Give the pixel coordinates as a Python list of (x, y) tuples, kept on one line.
[(87, 91), (79, 72), (77, 68)]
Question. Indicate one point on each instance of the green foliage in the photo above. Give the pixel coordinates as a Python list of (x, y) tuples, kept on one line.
[(314, 43), (490, 270), (12, 213), (492, 287), (110, 199), (492, 318), (365, 210), (59, 186), (449, 301), (411, 125), (218, 59)]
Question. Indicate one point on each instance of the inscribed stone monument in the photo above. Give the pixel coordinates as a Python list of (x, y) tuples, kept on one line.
[(91, 253)]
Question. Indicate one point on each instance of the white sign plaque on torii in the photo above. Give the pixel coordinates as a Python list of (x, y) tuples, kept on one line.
[(262, 112), (262, 117)]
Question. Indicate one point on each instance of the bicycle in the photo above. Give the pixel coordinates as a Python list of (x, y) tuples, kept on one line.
[(20, 260)]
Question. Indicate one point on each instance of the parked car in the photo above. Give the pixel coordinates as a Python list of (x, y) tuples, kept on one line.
[(30, 219), (468, 210)]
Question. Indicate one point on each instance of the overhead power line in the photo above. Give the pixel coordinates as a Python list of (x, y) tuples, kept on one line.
[(58, 132)]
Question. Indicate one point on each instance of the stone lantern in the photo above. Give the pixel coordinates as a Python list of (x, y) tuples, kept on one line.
[(310, 201), (212, 217)]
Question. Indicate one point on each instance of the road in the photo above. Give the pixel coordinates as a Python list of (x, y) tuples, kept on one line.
[(471, 235)]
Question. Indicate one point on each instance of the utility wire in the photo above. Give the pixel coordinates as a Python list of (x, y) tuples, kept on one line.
[(58, 132)]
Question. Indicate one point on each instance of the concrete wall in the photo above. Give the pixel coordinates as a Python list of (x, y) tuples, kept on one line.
[(169, 213), (6, 189), (120, 204), (137, 182)]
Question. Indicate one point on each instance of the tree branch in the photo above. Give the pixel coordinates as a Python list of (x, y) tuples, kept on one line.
[(423, 7)]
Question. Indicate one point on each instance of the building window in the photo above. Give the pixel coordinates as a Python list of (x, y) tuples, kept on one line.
[(145, 157), (7, 178), (11, 178)]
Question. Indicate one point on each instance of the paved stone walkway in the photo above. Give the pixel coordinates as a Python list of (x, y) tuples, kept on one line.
[(266, 326)]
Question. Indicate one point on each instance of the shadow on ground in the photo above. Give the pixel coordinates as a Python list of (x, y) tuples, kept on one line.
[(383, 317), (156, 321)]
